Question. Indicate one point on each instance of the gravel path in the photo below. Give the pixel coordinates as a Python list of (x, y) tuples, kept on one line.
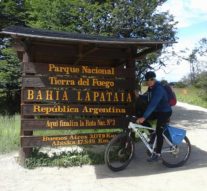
[(139, 175)]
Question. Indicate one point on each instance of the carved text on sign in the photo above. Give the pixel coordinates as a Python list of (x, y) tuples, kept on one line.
[(70, 109), (81, 123), (66, 140), (78, 70), (98, 138), (81, 82), (74, 123), (79, 96)]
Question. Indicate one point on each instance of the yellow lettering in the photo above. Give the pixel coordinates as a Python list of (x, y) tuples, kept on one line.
[(39, 95), (116, 97), (52, 124), (87, 96), (79, 96), (97, 70), (122, 97), (61, 82), (49, 95), (80, 82), (57, 95), (65, 96), (129, 98), (100, 83), (52, 79), (109, 94), (30, 94), (102, 98), (51, 67), (36, 108), (95, 96)]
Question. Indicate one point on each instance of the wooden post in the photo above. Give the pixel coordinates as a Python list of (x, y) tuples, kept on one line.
[(131, 66), (24, 152)]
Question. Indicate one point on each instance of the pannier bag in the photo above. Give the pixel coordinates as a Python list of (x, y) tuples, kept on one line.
[(175, 135)]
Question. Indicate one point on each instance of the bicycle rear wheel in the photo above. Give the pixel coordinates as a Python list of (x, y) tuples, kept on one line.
[(119, 152), (177, 155)]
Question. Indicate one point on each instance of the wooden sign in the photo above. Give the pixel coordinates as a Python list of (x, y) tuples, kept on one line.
[(68, 97), (67, 140), (78, 96), (72, 123), (61, 109), (74, 85)]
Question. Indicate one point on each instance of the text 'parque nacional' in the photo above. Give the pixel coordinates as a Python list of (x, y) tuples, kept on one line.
[(80, 70)]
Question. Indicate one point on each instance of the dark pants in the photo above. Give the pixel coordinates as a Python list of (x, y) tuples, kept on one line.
[(161, 117)]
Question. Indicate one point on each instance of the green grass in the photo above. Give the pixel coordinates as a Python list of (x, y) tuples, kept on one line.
[(9, 133), (191, 96)]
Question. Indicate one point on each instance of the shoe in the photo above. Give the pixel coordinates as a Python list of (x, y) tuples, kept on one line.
[(155, 157)]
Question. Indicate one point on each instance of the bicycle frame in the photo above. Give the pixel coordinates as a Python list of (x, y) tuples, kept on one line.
[(136, 128)]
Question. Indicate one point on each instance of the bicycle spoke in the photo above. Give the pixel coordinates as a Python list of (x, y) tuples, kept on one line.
[(174, 156), (119, 152)]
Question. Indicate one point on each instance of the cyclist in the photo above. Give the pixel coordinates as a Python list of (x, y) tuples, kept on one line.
[(158, 108)]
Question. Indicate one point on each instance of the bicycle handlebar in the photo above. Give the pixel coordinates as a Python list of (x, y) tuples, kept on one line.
[(131, 118)]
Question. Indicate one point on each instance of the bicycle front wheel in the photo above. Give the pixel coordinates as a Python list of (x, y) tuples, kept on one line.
[(177, 155), (119, 152)]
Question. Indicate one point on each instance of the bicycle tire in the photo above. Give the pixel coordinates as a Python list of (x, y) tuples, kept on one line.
[(178, 163), (125, 152)]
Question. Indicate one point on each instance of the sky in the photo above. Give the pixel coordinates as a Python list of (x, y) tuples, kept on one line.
[(192, 26)]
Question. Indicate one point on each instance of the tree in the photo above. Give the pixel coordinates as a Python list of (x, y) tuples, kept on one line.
[(120, 18), (197, 59), (10, 83), (12, 12), (198, 64)]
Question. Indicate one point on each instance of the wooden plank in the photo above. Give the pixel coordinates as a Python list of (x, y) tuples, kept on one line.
[(77, 82), (67, 140), (75, 109), (52, 53), (72, 123), (65, 69), (75, 96)]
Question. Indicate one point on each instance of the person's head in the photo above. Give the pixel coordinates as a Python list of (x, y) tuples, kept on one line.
[(150, 78)]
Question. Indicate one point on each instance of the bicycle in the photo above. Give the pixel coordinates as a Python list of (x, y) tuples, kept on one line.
[(120, 150)]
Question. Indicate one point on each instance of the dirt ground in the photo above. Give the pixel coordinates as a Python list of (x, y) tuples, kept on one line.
[(139, 175)]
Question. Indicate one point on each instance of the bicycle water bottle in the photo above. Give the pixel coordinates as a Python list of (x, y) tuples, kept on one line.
[(146, 137)]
